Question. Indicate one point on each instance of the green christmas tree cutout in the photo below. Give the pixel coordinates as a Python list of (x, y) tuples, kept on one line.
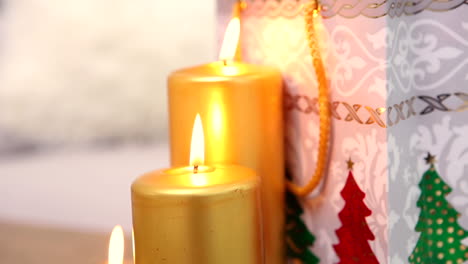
[(298, 236), (441, 235)]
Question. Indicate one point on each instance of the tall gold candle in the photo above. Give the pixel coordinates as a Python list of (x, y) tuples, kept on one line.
[(241, 105), (197, 215)]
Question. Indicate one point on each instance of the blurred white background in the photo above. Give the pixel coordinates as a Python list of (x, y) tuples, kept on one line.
[(94, 70), (77, 74)]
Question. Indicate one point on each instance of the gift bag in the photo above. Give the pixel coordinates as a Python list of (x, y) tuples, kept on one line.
[(395, 189)]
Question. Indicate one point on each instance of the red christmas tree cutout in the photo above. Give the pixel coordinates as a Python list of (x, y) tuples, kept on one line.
[(353, 235)]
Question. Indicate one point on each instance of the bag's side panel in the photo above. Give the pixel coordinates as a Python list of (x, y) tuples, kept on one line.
[(353, 46), (427, 66)]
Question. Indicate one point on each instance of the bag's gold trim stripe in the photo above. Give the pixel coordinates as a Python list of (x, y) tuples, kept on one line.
[(351, 8), (395, 113)]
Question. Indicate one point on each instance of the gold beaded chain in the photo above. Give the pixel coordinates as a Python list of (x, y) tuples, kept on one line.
[(311, 11)]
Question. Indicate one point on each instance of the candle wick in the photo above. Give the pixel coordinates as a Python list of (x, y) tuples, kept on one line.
[(225, 62), (195, 169)]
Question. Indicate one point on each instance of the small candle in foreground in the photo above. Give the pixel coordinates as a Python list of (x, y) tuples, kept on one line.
[(197, 214), (117, 247)]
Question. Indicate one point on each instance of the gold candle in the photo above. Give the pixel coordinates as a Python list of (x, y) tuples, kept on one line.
[(241, 105), (197, 214)]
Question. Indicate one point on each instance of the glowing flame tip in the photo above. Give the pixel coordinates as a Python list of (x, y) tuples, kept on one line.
[(231, 40), (197, 146)]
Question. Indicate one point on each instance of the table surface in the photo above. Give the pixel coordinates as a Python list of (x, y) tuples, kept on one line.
[(77, 189), (26, 244)]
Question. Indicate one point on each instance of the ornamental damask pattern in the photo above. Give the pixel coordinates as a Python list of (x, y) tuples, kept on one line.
[(427, 58), (398, 90), (426, 54), (352, 8)]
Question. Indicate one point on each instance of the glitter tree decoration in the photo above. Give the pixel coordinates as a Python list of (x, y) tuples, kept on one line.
[(298, 236), (441, 235), (354, 234)]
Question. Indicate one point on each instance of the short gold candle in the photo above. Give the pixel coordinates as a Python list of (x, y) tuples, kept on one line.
[(207, 217), (241, 105)]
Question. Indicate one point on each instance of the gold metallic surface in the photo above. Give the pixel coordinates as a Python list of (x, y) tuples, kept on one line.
[(177, 222), (241, 109)]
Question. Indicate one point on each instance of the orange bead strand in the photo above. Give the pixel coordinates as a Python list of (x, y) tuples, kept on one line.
[(311, 11)]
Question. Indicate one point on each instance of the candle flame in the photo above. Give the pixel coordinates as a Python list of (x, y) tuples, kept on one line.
[(197, 146), (116, 246), (231, 40)]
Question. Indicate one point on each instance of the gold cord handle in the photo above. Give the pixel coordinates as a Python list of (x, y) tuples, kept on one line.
[(311, 10)]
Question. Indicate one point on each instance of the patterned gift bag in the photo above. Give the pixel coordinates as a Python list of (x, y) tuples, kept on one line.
[(397, 73)]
